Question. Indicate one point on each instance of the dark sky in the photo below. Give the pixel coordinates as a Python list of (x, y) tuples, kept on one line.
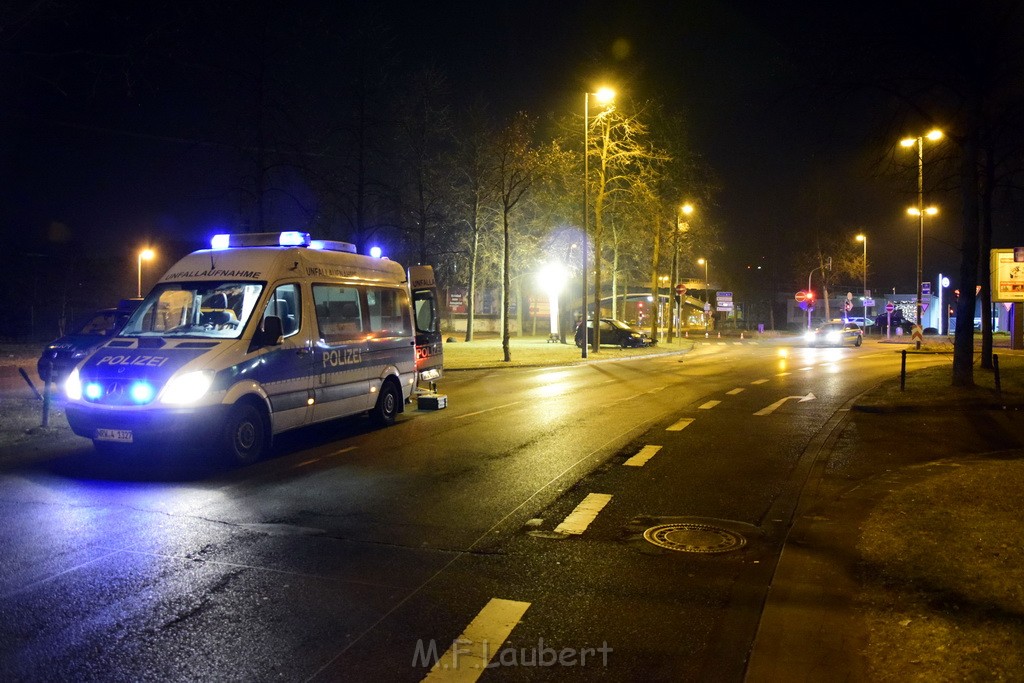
[(790, 159)]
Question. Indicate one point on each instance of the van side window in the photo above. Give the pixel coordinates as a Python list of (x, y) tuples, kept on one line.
[(388, 308), (338, 313), (286, 305), (426, 315)]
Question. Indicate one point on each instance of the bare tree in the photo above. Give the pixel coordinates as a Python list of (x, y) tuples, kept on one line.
[(516, 162)]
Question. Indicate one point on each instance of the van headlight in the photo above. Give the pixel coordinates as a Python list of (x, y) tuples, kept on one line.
[(187, 388), (73, 386)]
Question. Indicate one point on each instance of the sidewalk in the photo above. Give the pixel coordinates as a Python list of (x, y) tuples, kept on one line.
[(905, 559)]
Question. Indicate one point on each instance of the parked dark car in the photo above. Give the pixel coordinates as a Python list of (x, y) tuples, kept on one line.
[(835, 334), (85, 336), (614, 333)]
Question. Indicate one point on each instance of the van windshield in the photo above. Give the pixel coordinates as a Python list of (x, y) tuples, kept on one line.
[(217, 310)]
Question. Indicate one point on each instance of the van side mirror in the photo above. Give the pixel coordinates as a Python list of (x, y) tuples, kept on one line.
[(271, 332)]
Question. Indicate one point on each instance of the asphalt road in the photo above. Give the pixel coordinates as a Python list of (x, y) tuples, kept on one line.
[(510, 525)]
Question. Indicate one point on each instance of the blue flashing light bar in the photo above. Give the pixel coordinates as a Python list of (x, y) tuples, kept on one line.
[(375, 252), (333, 245), (288, 238)]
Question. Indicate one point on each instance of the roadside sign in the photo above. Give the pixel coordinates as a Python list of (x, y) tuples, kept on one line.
[(869, 302), (926, 288), (680, 289), (889, 308), (801, 296), (707, 306)]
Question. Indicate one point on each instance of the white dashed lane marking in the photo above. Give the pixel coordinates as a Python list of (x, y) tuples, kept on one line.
[(585, 513), (733, 392), (709, 405), (641, 458), (759, 381), (679, 426), (470, 653)]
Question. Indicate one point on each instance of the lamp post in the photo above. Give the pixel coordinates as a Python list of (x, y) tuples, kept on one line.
[(707, 295), (681, 226), (920, 213), (933, 135), (864, 238), (552, 278), (604, 95), (144, 255)]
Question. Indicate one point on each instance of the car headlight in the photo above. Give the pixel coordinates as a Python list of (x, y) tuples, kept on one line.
[(73, 386), (809, 336), (833, 337), (187, 388)]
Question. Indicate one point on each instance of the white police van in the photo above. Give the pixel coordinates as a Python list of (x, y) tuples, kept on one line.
[(262, 333)]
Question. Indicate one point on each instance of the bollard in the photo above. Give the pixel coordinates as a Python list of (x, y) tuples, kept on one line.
[(903, 369), (741, 335), (46, 394), (28, 380), (995, 366)]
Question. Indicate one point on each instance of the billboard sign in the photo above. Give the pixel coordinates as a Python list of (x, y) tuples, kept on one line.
[(1007, 275)]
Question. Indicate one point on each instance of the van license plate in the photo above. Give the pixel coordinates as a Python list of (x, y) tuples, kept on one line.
[(118, 435)]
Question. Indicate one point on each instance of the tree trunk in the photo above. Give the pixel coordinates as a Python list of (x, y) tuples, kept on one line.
[(963, 340), (983, 260), (471, 294), (506, 285)]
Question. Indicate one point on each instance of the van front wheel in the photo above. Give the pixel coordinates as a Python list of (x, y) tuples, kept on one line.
[(388, 401), (244, 434)]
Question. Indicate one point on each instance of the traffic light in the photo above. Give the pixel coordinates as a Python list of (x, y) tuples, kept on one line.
[(810, 296)]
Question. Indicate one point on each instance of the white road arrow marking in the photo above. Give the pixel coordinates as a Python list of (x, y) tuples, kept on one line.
[(772, 408)]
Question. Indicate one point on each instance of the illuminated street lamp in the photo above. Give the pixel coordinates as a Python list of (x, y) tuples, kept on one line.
[(604, 96), (552, 279), (681, 226), (144, 255), (707, 295), (910, 142), (864, 238)]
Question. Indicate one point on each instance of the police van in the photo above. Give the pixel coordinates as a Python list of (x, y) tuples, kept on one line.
[(261, 333)]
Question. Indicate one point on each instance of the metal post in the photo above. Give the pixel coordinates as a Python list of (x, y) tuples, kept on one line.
[(586, 214), (903, 369), (920, 224), (864, 288), (672, 284)]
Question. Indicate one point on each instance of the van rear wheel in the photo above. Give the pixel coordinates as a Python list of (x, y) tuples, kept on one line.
[(244, 434), (388, 401)]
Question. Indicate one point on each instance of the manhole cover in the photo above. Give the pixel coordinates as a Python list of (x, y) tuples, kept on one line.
[(694, 538)]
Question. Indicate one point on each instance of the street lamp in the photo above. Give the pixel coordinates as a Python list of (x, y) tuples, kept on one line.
[(144, 255), (864, 238), (681, 226), (932, 135), (604, 96), (707, 296), (552, 279)]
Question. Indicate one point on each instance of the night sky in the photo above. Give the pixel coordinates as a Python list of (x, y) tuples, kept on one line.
[(112, 158)]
